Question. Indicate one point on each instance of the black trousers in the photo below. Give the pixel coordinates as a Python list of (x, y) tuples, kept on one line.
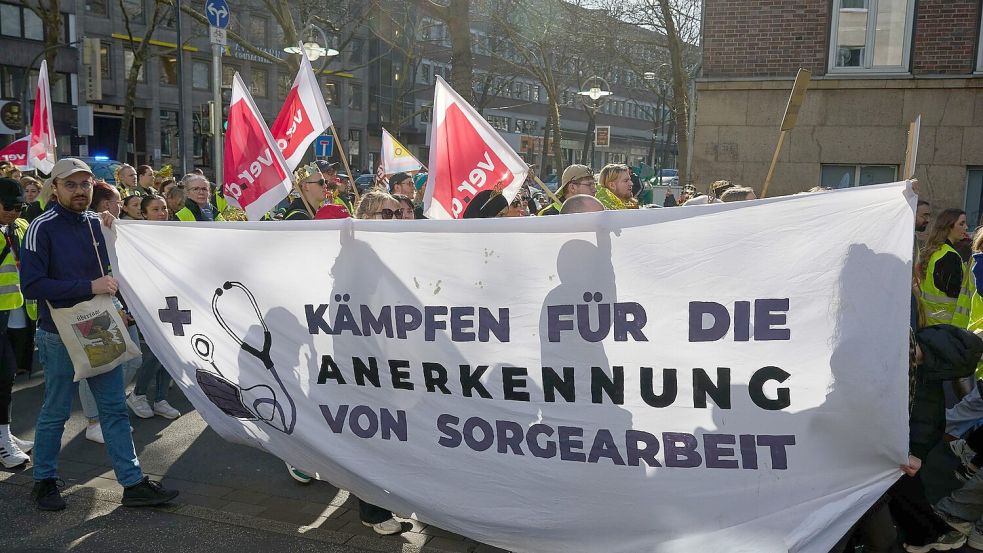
[(875, 531), (913, 513), (22, 339), (372, 514), (8, 368)]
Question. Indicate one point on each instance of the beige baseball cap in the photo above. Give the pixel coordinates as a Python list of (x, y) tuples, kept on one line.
[(575, 172), (68, 166)]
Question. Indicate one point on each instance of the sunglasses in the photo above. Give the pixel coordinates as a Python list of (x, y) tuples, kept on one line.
[(391, 213), (19, 206), (319, 182)]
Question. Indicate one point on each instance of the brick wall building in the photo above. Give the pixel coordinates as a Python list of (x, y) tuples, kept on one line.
[(876, 64)]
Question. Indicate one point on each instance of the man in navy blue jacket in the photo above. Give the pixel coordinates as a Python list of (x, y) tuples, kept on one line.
[(60, 266)]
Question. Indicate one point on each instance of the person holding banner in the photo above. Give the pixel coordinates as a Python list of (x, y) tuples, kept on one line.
[(942, 271), (61, 265)]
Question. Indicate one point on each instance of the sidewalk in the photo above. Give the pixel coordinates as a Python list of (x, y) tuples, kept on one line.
[(226, 490)]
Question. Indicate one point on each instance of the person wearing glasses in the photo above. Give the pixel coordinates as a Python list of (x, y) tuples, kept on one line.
[(13, 450), (60, 266), (197, 207), (576, 179), (311, 187), (406, 205), (377, 204)]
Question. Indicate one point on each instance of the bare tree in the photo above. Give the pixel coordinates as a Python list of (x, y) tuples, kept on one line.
[(139, 48), (676, 24), (456, 14), (53, 26)]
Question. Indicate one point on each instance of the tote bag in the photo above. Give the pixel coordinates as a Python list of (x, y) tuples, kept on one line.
[(94, 333)]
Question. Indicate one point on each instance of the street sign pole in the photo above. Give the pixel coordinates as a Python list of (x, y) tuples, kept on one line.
[(182, 100), (217, 141)]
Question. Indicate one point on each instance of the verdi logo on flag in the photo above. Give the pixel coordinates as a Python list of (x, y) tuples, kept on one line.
[(41, 149), (396, 158), (303, 116), (16, 153), (256, 175), (466, 156)]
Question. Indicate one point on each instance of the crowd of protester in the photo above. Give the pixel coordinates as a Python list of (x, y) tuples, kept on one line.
[(45, 258)]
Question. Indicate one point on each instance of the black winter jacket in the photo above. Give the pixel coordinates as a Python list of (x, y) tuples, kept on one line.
[(948, 353)]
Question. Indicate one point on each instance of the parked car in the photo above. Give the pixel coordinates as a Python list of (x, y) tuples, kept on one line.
[(103, 167), (364, 182), (668, 177)]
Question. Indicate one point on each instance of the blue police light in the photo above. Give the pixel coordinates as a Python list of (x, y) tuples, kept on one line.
[(100, 158)]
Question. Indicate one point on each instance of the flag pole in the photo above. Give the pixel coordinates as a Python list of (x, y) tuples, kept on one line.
[(344, 161), (547, 190)]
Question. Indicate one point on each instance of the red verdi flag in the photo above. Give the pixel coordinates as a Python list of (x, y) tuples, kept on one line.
[(41, 149), (256, 175), (303, 116), (466, 156), (16, 153)]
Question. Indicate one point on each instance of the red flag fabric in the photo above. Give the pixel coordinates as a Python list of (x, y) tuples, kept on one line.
[(256, 175), (302, 118), (16, 153), (41, 147), (467, 156)]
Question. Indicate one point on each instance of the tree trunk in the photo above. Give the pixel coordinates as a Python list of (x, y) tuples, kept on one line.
[(462, 61), (547, 129), (131, 93), (557, 133), (588, 137), (53, 35), (680, 96)]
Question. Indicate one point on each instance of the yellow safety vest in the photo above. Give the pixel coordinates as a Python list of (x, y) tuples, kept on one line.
[(10, 293), (940, 308)]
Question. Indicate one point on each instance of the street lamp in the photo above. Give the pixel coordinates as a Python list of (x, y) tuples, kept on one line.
[(660, 120), (595, 94), (311, 48)]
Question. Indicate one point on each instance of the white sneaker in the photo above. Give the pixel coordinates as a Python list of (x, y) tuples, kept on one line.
[(962, 451), (11, 456), (23, 445), (386, 527), (165, 410), (140, 406), (93, 432)]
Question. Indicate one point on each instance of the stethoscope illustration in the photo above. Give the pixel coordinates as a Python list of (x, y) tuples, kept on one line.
[(259, 402)]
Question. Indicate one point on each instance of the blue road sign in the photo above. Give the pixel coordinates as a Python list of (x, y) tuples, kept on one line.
[(217, 12), (324, 146)]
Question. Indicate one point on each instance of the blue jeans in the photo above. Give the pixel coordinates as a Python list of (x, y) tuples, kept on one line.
[(89, 407), (965, 415), (152, 369), (59, 389)]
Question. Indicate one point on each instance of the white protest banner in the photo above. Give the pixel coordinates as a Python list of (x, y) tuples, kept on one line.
[(396, 158), (467, 156), (256, 175), (593, 390), (41, 148), (303, 116)]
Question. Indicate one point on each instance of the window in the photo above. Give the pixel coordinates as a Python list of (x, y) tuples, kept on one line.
[(96, 7), (134, 10), (355, 96), (974, 195), (499, 122), (33, 28), (128, 63), (871, 35), (10, 20), (168, 70), (846, 176), (257, 30), (169, 136), (426, 114), (357, 45), (228, 71), (526, 126), (425, 73), (331, 94), (201, 75), (283, 84), (104, 65), (257, 85)]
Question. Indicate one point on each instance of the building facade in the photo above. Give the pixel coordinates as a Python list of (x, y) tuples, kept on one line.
[(368, 86), (876, 66)]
